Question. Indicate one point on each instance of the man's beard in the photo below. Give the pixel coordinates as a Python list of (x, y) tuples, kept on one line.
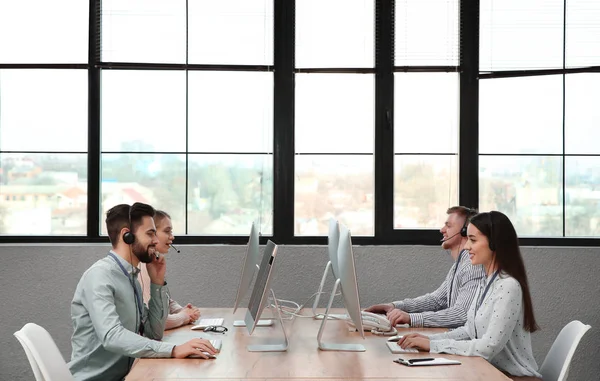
[(142, 253)]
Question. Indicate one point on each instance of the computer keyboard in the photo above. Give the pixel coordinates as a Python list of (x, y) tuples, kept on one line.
[(217, 344), (207, 322), (395, 348)]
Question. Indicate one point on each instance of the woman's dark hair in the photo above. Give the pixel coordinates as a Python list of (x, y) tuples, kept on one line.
[(503, 241)]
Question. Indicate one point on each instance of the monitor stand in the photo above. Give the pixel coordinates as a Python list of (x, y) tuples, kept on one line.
[(261, 323), (274, 345), (319, 316), (335, 346)]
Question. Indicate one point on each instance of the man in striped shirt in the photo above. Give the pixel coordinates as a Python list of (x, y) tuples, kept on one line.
[(448, 305)]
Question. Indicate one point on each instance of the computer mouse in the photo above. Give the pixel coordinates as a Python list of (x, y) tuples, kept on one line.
[(210, 357), (395, 338)]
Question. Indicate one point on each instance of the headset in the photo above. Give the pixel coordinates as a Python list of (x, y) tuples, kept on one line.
[(463, 230), (128, 236), (469, 213)]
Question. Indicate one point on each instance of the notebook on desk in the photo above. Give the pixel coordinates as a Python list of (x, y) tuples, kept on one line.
[(427, 361)]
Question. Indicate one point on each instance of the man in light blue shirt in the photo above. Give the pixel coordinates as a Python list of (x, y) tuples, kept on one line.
[(110, 322)]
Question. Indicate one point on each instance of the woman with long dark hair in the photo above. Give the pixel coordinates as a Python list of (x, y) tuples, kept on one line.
[(501, 317)]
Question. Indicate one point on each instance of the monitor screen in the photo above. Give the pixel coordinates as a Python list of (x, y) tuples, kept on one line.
[(251, 261), (332, 246), (260, 292), (347, 276)]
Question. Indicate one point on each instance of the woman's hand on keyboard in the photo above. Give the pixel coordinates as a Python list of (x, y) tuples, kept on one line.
[(195, 347), (415, 340)]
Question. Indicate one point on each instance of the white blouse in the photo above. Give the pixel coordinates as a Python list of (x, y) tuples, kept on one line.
[(496, 333)]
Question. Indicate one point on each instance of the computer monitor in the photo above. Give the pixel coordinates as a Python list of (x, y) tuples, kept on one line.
[(333, 239), (251, 262), (259, 299), (261, 290), (348, 282)]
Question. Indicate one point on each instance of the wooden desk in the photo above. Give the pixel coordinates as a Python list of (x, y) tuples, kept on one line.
[(303, 360)]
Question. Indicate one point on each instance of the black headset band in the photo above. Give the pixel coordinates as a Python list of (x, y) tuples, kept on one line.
[(129, 237), (468, 214)]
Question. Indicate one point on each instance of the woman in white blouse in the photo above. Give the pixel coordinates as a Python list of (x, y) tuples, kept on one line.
[(501, 317), (178, 315)]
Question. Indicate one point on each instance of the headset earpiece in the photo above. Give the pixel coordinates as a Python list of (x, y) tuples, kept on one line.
[(469, 213), (128, 236)]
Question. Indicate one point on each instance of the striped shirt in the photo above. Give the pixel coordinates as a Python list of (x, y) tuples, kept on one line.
[(448, 305)]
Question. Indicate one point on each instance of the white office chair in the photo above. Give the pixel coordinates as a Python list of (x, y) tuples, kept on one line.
[(557, 361), (44, 357)]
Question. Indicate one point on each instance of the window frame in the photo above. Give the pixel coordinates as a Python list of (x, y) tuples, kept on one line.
[(283, 153)]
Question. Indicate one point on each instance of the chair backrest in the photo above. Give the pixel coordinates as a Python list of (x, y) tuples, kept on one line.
[(46, 361), (556, 364), (36, 369)]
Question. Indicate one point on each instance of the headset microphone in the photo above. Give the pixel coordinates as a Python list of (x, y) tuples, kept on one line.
[(176, 249), (449, 238)]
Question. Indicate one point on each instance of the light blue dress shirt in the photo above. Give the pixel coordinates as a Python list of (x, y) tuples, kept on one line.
[(106, 319)]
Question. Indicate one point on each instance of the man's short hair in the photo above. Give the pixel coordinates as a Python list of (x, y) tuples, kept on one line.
[(462, 211), (118, 217)]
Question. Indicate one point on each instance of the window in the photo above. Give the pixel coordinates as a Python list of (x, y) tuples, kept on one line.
[(536, 136), (426, 32), (230, 173), (582, 180), (335, 33), (43, 118), (582, 27), (143, 31), (426, 118), (516, 34), (196, 143), (381, 114), (334, 117), (230, 32), (43, 32), (425, 148), (519, 173), (43, 151)]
